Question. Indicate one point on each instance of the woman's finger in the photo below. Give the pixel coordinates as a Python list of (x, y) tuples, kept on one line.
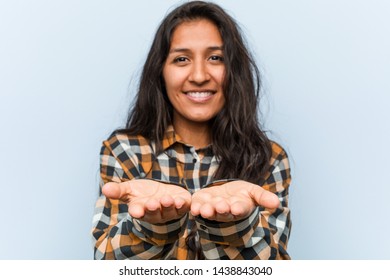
[(222, 207), (120, 191), (241, 209), (195, 208), (181, 206), (136, 210), (264, 198), (207, 211), (168, 209), (152, 211)]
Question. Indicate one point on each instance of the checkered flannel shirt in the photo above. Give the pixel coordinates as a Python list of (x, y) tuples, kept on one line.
[(262, 235)]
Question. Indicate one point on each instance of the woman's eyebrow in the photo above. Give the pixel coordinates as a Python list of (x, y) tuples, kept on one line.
[(211, 48)]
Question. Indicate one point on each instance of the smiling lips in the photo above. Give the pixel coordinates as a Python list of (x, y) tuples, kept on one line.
[(199, 96)]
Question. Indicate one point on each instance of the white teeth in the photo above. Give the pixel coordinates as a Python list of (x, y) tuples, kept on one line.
[(199, 94)]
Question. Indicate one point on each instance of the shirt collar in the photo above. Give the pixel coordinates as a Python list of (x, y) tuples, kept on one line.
[(170, 138), (174, 147)]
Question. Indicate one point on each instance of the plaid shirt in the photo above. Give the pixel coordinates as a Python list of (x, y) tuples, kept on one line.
[(262, 235)]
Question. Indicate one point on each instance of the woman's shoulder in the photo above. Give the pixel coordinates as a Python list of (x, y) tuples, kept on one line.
[(278, 153), (133, 153), (120, 138), (122, 144), (279, 168)]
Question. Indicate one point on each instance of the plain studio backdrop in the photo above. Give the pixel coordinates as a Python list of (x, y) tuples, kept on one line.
[(68, 71)]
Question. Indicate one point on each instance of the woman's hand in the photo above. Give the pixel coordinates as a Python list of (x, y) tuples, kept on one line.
[(150, 201), (231, 201)]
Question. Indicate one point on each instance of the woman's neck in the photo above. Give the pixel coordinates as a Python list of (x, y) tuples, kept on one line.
[(193, 133)]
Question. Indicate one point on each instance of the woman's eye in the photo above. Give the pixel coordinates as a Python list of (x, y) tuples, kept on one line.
[(180, 59), (216, 58)]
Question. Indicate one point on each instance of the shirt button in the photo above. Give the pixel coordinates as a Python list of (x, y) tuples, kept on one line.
[(194, 160), (203, 227)]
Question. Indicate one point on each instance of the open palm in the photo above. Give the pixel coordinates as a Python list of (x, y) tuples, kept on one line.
[(150, 200), (231, 201)]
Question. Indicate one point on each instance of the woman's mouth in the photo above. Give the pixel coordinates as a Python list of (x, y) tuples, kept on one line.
[(199, 96)]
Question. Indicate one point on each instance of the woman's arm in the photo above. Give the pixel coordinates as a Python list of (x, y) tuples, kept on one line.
[(263, 233), (118, 235)]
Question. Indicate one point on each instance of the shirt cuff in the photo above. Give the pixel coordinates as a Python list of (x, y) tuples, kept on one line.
[(236, 233), (158, 234)]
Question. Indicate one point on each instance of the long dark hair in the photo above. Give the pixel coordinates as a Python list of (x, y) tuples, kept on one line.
[(242, 148)]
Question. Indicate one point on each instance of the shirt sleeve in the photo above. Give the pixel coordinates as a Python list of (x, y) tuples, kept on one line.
[(115, 233), (264, 234)]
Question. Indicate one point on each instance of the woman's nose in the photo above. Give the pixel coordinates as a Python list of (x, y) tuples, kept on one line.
[(199, 73)]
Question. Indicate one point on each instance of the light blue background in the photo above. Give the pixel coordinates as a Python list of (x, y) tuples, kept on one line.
[(68, 70)]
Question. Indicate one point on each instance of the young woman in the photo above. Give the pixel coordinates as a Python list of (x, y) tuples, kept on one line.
[(192, 175)]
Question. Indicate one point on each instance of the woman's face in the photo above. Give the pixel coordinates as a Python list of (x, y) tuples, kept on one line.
[(194, 72)]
